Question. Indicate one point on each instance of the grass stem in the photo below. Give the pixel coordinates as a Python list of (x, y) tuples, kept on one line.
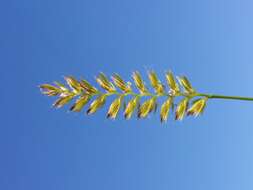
[(216, 96)]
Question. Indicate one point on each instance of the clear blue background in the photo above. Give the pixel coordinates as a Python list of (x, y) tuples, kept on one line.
[(42, 148)]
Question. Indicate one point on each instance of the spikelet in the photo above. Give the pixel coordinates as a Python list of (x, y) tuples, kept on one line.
[(155, 82), (63, 100), (80, 103), (174, 88), (186, 84), (198, 107), (61, 87), (88, 87), (166, 106), (181, 109), (96, 104), (73, 84), (105, 83), (139, 82), (130, 107), (146, 107), (114, 108), (49, 90), (119, 82)]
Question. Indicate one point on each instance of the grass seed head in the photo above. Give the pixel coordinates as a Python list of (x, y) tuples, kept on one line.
[(84, 92)]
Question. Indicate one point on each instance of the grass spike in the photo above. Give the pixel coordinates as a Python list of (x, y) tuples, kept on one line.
[(83, 92)]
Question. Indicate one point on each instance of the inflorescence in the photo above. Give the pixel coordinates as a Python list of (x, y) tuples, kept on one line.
[(191, 102)]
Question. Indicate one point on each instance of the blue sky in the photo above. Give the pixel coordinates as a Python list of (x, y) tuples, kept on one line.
[(209, 41)]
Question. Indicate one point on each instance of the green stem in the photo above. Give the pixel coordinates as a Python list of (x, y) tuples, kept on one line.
[(215, 96)]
